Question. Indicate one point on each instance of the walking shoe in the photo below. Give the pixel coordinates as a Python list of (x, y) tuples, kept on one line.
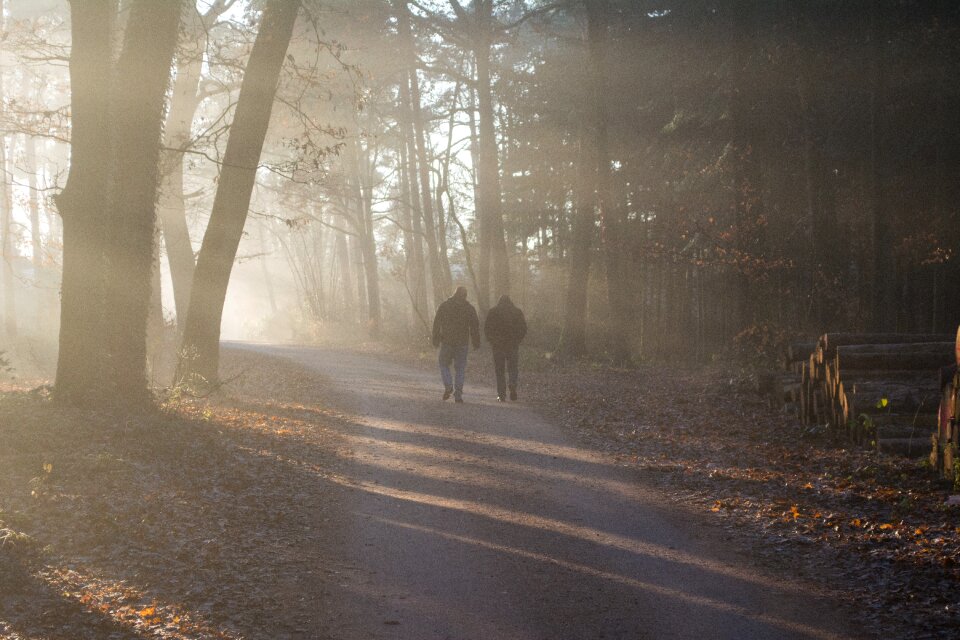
[(447, 393), (501, 399), (458, 399), (513, 393)]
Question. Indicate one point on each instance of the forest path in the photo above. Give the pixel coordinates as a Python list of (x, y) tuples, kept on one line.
[(483, 520)]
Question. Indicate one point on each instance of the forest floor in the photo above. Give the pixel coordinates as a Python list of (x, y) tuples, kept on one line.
[(201, 521), (224, 518)]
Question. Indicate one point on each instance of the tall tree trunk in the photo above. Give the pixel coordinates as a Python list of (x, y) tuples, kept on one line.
[(346, 279), (444, 187), (82, 345), (493, 249), (36, 243), (420, 146), (8, 252), (6, 224), (611, 225), (409, 191), (573, 340), (201, 343), (137, 104), (173, 222), (748, 202), (883, 298), (481, 275), (359, 184), (184, 101), (359, 274), (265, 272)]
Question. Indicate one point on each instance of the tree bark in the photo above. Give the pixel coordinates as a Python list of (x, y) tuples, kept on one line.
[(361, 191), (409, 191), (748, 201), (611, 226), (183, 105), (493, 249), (200, 357), (6, 228), (7, 252), (82, 346), (573, 340), (883, 292), (137, 105), (434, 260), (36, 242)]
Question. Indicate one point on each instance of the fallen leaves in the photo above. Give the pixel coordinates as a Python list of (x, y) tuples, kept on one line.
[(879, 521), (201, 502)]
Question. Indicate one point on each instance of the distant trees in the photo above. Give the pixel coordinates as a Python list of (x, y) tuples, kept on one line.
[(647, 181)]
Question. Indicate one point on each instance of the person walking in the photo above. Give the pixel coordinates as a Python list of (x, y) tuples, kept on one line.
[(505, 327), (454, 327)]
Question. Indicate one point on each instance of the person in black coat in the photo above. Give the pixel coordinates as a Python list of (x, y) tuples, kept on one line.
[(505, 327), (455, 326)]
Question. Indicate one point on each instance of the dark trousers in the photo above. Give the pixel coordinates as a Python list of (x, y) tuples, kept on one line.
[(505, 364)]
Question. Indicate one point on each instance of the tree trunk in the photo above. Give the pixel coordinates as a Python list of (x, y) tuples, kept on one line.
[(573, 340), (137, 102), (444, 187), (82, 346), (7, 254), (883, 296), (184, 101), (359, 274), (420, 146), (361, 191), (264, 270), (173, 223), (36, 243), (6, 226), (346, 282), (201, 344), (611, 226), (748, 203), (408, 196), (493, 249)]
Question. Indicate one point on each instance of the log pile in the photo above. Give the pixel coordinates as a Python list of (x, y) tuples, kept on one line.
[(783, 387), (876, 388), (945, 453)]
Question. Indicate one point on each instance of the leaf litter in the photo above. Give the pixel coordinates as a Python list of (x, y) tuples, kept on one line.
[(202, 520), (877, 525)]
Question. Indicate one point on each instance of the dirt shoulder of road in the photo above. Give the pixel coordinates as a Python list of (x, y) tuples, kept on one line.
[(877, 526), (187, 523)]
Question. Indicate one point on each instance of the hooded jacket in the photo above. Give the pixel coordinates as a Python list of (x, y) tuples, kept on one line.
[(456, 323), (505, 326)]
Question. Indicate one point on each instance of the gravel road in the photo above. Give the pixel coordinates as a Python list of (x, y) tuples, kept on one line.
[(483, 520)]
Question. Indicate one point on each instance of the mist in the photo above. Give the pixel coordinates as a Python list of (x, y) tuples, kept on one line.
[(662, 182)]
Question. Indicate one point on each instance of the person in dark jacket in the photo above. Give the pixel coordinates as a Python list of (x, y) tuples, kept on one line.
[(505, 328), (454, 327)]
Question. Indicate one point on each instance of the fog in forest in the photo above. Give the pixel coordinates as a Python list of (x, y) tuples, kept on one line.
[(648, 180)]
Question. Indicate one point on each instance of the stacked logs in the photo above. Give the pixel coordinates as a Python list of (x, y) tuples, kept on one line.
[(785, 388), (945, 453), (882, 388)]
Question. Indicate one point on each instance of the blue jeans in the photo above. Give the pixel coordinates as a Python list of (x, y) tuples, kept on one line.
[(458, 356), (505, 359)]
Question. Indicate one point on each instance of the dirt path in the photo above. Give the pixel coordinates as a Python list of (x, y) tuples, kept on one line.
[(483, 520)]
